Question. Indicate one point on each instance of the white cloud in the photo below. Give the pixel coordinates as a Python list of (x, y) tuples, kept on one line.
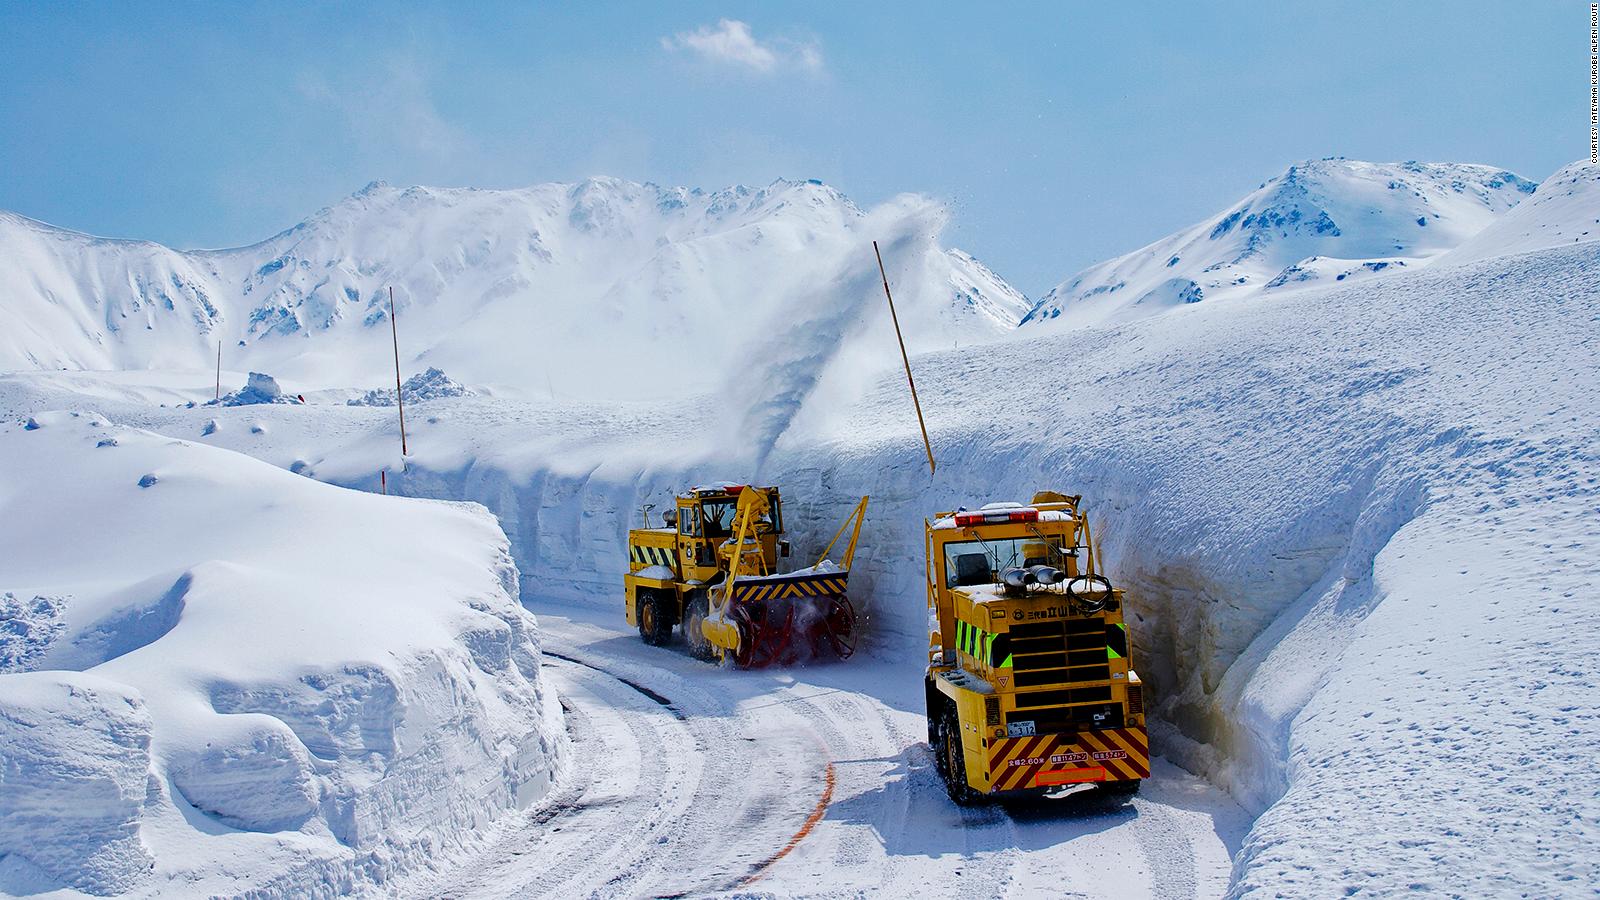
[(731, 42)]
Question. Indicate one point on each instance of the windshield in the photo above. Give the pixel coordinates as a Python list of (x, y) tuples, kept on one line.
[(969, 563), (717, 518)]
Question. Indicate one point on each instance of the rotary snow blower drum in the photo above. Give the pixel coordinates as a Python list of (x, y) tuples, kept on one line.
[(786, 618), (758, 618)]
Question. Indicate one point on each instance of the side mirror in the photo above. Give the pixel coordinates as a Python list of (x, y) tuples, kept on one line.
[(783, 548)]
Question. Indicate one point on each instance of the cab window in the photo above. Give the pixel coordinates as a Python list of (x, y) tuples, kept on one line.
[(717, 517), (777, 512)]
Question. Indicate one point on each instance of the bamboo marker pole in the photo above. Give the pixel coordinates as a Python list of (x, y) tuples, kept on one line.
[(926, 444), (399, 402), (219, 370)]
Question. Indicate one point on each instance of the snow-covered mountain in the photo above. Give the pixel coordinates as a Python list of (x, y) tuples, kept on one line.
[(1564, 211), (1322, 222), (592, 289)]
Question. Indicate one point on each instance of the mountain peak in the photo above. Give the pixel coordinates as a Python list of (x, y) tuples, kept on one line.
[(1320, 221)]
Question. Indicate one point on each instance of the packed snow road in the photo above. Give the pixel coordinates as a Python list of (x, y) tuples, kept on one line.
[(689, 780)]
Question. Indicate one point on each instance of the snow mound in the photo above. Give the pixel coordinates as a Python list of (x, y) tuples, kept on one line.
[(1564, 211), (250, 679), (1319, 223), (260, 388), (433, 384), (28, 627)]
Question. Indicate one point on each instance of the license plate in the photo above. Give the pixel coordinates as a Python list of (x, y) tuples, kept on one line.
[(1019, 729)]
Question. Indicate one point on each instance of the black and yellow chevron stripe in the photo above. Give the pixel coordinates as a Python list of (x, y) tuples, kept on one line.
[(650, 556), (804, 586)]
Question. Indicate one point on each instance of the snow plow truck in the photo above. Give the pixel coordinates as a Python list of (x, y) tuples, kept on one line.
[(711, 567), (1030, 684)]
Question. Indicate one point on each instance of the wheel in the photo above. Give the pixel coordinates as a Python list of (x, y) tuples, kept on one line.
[(693, 614), (955, 764), (655, 625)]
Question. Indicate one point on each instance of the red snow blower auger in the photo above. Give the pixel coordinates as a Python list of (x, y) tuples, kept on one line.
[(713, 568)]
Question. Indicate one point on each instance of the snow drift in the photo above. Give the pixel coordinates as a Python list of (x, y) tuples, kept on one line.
[(1321, 222), (225, 677)]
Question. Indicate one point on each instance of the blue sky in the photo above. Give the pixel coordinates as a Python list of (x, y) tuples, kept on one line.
[(1058, 133)]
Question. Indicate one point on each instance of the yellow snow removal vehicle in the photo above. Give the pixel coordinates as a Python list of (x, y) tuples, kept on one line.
[(1030, 683), (712, 567)]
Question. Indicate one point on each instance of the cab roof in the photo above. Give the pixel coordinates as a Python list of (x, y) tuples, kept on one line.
[(722, 489)]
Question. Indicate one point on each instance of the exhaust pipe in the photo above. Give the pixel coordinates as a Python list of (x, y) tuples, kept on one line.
[(1047, 574), (1019, 579)]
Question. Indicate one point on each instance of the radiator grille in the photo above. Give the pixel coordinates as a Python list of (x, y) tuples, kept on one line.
[(1135, 700), (1064, 697), (1069, 718)]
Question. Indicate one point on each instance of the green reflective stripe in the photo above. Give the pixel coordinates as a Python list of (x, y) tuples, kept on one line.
[(988, 648), (1007, 663), (1116, 640), (961, 635)]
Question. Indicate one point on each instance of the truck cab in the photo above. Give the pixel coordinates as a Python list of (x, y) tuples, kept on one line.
[(1030, 682)]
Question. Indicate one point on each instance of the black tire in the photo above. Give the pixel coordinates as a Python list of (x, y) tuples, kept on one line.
[(695, 612), (954, 769), (655, 622)]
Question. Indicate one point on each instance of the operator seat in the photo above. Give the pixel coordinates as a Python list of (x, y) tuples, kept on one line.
[(971, 569)]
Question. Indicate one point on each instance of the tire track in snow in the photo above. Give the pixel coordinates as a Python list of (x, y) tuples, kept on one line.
[(661, 800), (1167, 850), (752, 754)]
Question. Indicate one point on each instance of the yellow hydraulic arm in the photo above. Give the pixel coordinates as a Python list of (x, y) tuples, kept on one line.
[(858, 515)]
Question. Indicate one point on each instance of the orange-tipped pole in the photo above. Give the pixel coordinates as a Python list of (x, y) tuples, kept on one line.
[(399, 402), (926, 444)]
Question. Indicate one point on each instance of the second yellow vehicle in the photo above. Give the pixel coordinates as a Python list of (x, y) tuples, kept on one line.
[(712, 567)]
